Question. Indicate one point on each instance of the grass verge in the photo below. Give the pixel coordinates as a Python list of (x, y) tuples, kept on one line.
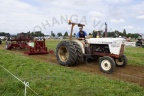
[(52, 80)]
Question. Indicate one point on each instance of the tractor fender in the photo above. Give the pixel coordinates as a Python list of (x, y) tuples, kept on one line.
[(81, 45)]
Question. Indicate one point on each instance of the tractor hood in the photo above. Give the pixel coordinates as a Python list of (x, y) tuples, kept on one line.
[(104, 40), (113, 43)]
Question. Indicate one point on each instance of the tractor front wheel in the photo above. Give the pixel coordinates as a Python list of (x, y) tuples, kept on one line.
[(107, 64), (121, 62)]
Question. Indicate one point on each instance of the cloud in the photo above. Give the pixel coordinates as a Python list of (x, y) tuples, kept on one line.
[(128, 27), (140, 17), (19, 16), (96, 13), (117, 20), (23, 15), (118, 1), (137, 9), (140, 28), (95, 18)]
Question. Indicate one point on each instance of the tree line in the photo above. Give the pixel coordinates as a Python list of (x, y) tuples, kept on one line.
[(37, 34), (115, 33), (59, 34), (4, 34)]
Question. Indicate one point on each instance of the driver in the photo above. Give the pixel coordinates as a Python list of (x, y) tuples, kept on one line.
[(81, 35)]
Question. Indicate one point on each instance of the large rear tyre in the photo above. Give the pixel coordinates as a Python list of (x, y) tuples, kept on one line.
[(66, 53), (121, 62), (78, 52), (107, 64)]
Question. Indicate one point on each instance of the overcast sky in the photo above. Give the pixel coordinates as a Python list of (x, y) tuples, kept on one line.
[(52, 15)]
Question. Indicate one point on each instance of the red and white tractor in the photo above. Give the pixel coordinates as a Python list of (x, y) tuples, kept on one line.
[(109, 51)]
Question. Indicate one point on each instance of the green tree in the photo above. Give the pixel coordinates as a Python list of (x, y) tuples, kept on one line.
[(66, 33), (111, 34), (52, 34), (74, 34), (4, 34), (129, 35), (90, 33), (32, 33), (124, 32), (7, 34), (38, 33), (136, 35), (59, 34)]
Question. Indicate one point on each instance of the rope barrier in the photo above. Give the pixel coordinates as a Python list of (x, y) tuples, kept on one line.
[(25, 83)]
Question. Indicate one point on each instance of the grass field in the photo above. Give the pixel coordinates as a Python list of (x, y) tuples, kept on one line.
[(54, 80), (135, 55)]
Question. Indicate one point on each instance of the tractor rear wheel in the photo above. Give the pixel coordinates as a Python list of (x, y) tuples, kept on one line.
[(78, 52), (66, 53), (121, 62), (107, 64)]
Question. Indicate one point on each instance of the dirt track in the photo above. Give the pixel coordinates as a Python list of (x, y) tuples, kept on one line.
[(132, 74)]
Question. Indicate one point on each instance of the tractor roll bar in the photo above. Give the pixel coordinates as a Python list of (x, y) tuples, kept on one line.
[(73, 24)]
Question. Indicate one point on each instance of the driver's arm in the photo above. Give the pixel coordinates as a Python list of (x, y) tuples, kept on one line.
[(86, 36)]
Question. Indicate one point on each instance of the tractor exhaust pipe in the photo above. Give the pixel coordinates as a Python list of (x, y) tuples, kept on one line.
[(105, 29)]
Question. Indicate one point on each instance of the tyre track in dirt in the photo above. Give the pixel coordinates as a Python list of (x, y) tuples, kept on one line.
[(130, 73)]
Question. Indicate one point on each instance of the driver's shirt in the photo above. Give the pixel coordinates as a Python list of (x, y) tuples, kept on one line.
[(81, 34)]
